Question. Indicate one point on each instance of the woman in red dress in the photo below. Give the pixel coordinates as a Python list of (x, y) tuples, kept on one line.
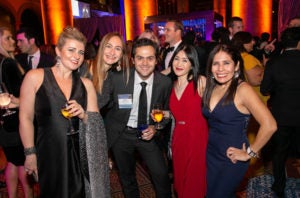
[(190, 134)]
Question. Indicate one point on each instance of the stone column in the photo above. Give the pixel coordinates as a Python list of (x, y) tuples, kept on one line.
[(135, 11), (256, 15), (56, 15)]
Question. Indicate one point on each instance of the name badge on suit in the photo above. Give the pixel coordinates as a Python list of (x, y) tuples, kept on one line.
[(125, 101)]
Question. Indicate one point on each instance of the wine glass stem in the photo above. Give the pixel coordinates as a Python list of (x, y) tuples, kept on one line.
[(71, 126)]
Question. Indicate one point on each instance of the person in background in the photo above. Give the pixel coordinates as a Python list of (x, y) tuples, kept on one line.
[(235, 24), (11, 74), (69, 157), (254, 69), (128, 113), (281, 82), (294, 22), (149, 34), (264, 39), (86, 69), (174, 31), (31, 56), (190, 38), (189, 139), (228, 102)]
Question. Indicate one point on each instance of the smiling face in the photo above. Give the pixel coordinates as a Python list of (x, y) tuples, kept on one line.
[(112, 51), (223, 68), (181, 64), (71, 54), (7, 41), (144, 61)]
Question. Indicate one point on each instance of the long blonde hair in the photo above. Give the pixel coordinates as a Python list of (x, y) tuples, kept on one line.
[(2, 50), (5, 53), (99, 70)]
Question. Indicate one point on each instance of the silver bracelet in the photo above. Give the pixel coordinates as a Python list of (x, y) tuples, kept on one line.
[(251, 153), (29, 151)]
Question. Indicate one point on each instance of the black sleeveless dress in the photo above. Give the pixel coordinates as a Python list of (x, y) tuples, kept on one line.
[(60, 173)]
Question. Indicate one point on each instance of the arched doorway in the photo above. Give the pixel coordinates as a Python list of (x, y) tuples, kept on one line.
[(30, 19), (7, 19)]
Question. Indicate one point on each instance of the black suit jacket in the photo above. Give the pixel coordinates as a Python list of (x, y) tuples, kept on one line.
[(163, 66), (45, 61), (281, 81), (117, 119)]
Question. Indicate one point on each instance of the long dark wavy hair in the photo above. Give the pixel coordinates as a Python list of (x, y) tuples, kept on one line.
[(192, 55), (211, 82)]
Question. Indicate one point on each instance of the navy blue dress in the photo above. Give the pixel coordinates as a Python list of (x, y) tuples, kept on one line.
[(227, 127)]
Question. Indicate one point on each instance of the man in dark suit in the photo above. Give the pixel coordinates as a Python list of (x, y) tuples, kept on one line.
[(173, 33), (122, 120), (31, 56), (281, 82)]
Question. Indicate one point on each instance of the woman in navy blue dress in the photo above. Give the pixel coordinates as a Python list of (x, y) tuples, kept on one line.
[(228, 102)]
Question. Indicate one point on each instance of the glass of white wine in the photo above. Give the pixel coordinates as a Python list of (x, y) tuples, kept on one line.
[(68, 116), (158, 115), (5, 100)]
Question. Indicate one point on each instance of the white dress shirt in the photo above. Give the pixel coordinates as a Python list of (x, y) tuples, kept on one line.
[(170, 54), (133, 118), (35, 59)]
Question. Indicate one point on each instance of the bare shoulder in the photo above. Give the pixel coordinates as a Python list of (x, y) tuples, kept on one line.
[(34, 76), (92, 97), (244, 88), (87, 83), (247, 99)]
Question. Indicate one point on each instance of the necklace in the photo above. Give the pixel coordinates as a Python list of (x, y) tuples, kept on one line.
[(180, 86)]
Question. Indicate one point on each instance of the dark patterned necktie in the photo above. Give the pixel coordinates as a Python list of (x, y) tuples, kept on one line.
[(30, 62), (142, 113)]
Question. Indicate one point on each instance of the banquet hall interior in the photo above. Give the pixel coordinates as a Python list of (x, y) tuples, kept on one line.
[(95, 18)]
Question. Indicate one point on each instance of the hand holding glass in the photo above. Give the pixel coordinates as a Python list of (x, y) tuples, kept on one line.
[(158, 115), (5, 100), (68, 115), (140, 130)]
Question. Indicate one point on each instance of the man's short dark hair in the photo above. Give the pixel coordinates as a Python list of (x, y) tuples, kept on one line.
[(234, 19), (290, 37), (29, 33), (144, 42), (178, 25)]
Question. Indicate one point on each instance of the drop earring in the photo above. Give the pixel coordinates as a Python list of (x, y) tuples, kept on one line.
[(118, 68), (57, 61), (236, 75)]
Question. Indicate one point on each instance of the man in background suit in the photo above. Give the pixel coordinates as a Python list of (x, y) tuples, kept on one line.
[(281, 82), (173, 33), (28, 44), (122, 120)]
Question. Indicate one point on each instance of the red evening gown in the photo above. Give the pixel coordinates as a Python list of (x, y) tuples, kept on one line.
[(189, 143)]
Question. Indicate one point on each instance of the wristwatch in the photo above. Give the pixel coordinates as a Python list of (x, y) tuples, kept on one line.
[(251, 153)]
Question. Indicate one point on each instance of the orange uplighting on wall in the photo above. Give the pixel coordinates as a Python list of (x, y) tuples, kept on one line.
[(220, 7), (135, 12), (128, 18), (256, 15), (56, 15)]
